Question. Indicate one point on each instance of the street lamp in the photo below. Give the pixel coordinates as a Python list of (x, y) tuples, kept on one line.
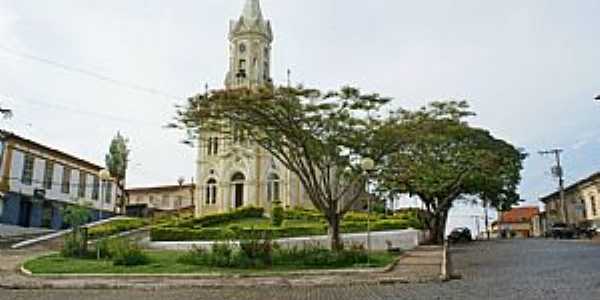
[(368, 166), (597, 97), (104, 175)]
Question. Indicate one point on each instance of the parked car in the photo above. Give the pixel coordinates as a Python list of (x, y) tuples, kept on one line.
[(563, 231), (460, 234)]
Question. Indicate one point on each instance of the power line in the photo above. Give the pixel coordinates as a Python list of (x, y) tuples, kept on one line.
[(60, 107), (92, 74)]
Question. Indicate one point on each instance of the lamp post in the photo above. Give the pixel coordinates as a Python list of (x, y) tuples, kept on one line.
[(597, 97), (368, 166), (104, 175)]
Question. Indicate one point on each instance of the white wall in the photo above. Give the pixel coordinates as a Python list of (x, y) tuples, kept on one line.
[(55, 193)]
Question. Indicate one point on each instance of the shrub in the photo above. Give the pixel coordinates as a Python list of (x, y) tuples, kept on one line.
[(75, 245), (256, 250), (126, 253), (221, 255), (277, 214), (390, 225)]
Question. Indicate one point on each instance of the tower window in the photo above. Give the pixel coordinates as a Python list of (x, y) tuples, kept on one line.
[(213, 146), (211, 192), (242, 67)]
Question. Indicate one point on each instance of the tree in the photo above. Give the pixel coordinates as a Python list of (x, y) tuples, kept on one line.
[(116, 163), (75, 216), (442, 159), (318, 136)]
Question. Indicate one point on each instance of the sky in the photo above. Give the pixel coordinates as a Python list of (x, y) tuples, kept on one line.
[(77, 71)]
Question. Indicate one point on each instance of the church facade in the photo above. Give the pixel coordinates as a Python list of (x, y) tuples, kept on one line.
[(231, 172)]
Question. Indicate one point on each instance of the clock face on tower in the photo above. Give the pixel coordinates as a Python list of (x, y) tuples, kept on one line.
[(242, 48)]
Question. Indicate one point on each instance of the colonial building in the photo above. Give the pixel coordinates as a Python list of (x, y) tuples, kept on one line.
[(582, 202), (37, 182), (231, 172), (518, 222), (164, 198)]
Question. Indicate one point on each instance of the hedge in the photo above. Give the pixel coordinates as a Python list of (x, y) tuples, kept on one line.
[(218, 219), (114, 227), (303, 215), (172, 234)]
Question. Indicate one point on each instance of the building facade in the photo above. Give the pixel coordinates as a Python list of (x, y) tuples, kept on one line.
[(37, 182), (231, 172), (582, 203), (519, 222), (164, 198)]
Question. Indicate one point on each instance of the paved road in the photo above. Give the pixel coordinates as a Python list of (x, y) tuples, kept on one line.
[(532, 269)]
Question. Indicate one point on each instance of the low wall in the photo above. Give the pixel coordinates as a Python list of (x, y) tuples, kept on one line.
[(381, 240)]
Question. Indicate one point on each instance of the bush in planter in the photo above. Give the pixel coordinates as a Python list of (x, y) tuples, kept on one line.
[(277, 214), (216, 219)]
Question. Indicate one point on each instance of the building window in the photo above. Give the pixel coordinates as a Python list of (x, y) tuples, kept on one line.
[(48, 175), (211, 192), (95, 188), (27, 175), (594, 207), (179, 202), (82, 184), (151, 201), (242, 73), (213, 146), (66, 180), (108, 192), (165, 201), (273, 188)]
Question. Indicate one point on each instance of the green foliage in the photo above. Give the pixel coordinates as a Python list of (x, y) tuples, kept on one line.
[(75, 244), (126, 253), (311, 132), (277, 214), (320, 257), (441, 158), (304, 215), (118, 157), (115, 227), (222, 218), (166, 234)]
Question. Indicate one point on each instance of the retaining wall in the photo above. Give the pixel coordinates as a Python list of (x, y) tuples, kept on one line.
[(382, 240)]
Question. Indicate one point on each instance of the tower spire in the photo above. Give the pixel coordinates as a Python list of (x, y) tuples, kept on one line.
[(252, 10)]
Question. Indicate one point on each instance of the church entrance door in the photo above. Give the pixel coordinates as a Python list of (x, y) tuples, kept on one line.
[(238, 181)]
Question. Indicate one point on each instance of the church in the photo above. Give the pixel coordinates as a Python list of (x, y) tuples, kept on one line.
[(231, 172)]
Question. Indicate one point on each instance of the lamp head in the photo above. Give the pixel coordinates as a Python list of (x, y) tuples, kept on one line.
[(104, 174), (367, 164)]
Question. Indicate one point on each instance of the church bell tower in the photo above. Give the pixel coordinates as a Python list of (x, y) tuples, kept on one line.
[(250, 39)]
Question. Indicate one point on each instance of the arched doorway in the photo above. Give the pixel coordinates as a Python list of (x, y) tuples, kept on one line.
[(237, 181)]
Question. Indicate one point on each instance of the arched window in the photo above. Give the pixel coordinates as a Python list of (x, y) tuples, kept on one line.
[(211, 192), (273, 188)]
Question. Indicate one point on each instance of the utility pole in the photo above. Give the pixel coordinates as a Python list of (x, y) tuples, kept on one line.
[(558, 172), (487, 218)]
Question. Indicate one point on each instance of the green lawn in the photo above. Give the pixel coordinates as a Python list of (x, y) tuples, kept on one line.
[(165, 262)]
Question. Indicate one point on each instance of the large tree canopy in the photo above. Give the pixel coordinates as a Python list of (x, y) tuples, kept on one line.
[(319, 136), (442, 159)]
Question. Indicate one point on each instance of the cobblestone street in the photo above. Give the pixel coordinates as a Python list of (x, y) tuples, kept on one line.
[(520, 269)]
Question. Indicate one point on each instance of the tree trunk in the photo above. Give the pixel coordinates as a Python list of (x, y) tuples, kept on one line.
[(334, 232), (438, 227)]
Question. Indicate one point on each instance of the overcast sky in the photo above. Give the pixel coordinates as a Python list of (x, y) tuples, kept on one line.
[(529, 68)]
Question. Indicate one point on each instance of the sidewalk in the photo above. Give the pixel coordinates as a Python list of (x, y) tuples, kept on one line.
[(416, 266)]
